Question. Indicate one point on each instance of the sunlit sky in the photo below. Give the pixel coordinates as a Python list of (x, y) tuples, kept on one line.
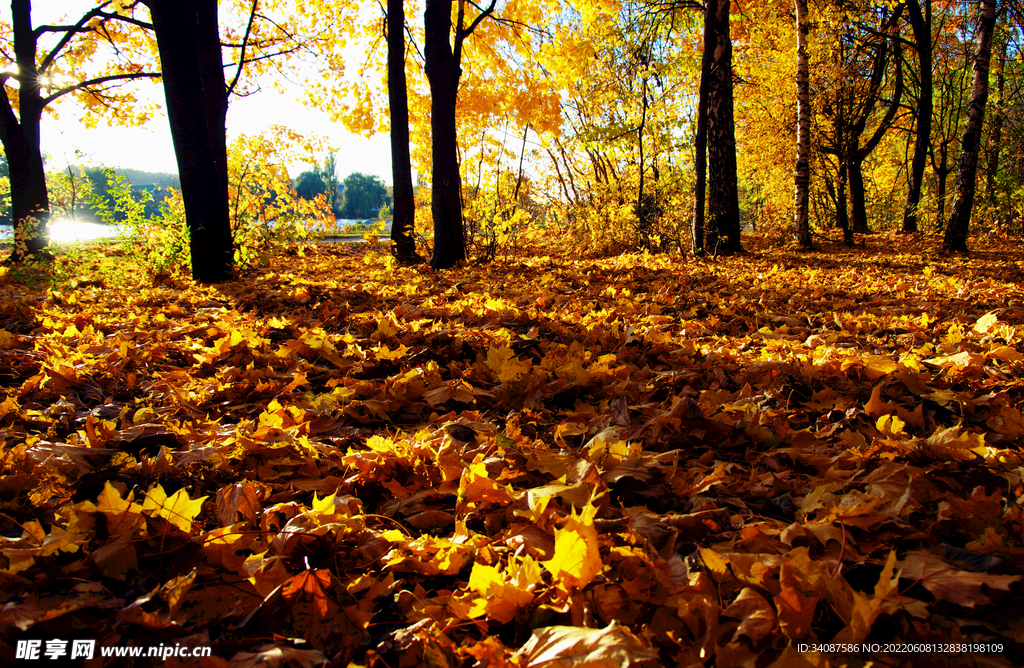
[(149, 148)]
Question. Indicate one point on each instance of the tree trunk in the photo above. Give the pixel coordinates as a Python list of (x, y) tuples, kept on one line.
[(700, 143), (403, 246), (190, 58), (998, 118), (921, 24), (723, 193), (942, 174), (842, 212), (856, 154), (641, 218), (963, 201), (858, 205), (443, 72), (802, 171), (30, 203)]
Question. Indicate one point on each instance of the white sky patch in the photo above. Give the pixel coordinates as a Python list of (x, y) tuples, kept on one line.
[(66, 140), (149, 148)]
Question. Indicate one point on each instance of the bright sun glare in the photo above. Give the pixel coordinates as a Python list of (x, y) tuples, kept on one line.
[(69, 230)]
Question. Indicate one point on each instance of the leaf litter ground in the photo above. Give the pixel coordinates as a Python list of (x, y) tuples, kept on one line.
[(643, 460)]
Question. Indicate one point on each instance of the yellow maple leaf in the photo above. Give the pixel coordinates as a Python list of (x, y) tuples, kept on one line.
[(122, 514), (178, 509), (576, 560), (876, 407), (986, 323), (890, 424), (498, 594), (503, 362), (476, 487)]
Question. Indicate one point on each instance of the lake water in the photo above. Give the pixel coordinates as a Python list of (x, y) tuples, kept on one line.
[(70, 231)]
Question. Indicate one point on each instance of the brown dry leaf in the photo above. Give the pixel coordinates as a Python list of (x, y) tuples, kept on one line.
[(951, 584), (756, 615), (572, 647), (277, 656), (313, 585), (236, 503), (159, 608), (409, 463)]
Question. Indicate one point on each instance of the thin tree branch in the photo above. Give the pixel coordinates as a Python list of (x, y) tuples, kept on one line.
[(98, 80), (462, 33), (71, 32), (245, 42)]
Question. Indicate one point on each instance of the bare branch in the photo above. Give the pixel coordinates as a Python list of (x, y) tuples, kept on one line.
[(245, 42)]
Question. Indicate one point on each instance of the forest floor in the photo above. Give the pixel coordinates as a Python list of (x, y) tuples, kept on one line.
[(775, 459)]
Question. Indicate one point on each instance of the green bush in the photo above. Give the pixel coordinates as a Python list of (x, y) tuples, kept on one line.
[(158, 245)]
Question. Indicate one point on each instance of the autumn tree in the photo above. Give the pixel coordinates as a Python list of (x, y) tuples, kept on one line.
[(33, 80), (963, 203), (310, 184), (443, 53), (952, 67), (995, 140), (802, 171), (865, 64), (700, 141), (364, 196), (187, 34), (624, 77), (920, 23), (889, 52), (329, 175), (403, 246), (722, 230)]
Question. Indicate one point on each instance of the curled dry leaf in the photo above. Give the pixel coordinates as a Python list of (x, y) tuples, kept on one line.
[(614, 646)]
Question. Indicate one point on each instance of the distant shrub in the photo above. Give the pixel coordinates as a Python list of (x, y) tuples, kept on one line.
[(157, 245)]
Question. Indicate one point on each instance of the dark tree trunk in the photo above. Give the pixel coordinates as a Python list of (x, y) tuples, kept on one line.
[(723, 192), (443, 72), (920, 23), (189, 43), (30, 203), (802, 170), (700, 143), (858, 207), (967, 170), (842, 213), (998, 118), (856, 153), (942, 174), (643, 219), (403, 246)]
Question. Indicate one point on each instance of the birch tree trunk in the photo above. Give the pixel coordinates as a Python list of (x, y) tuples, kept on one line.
[(802, 171)]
